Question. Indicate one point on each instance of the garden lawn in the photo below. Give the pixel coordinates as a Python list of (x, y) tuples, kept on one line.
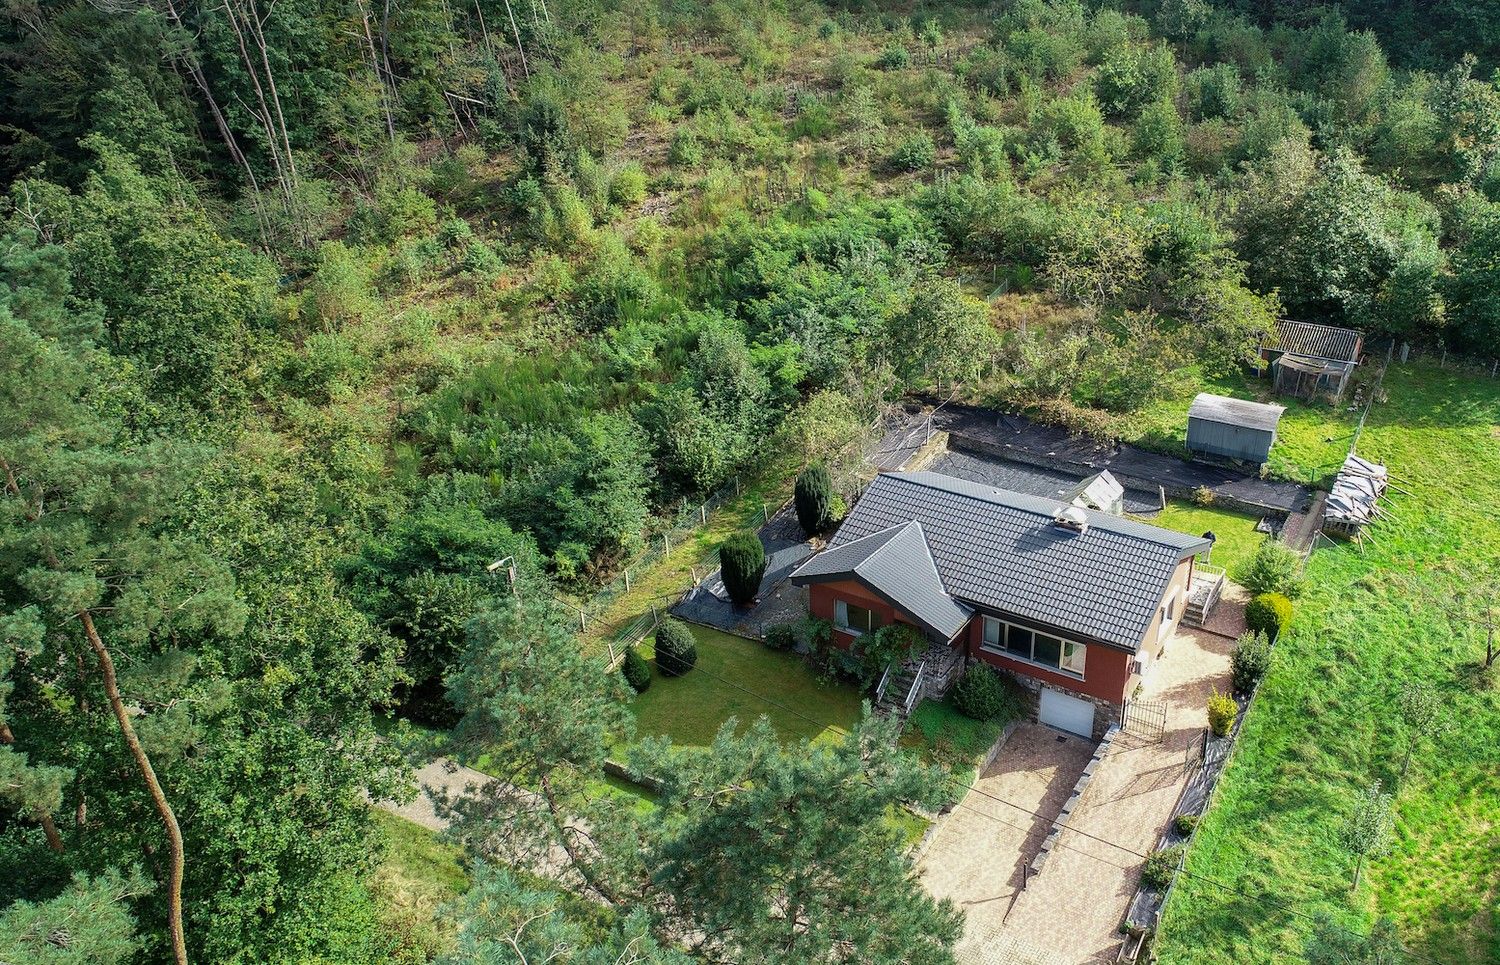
[(1327, 722), (733, 678), (1235, 536), (1311, 439), (940, 735)]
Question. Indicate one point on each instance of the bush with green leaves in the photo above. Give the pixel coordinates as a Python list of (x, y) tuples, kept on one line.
[(1222, 710), (984, 693), (1159, 868), (742, 562), (1186, 824), (781, 636), (813, 499), (1269, 613), (915, 153), (1252, 658), (893, 57), (1275, 568), (676, 648), (892, 644), (636, 671)]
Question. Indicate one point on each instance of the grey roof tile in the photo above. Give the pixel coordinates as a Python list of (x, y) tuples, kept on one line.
[(895, 562), (1000, 549)]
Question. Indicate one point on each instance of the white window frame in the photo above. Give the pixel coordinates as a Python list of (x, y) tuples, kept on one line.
[(1168, 614), (1059, 668), (841, 618)]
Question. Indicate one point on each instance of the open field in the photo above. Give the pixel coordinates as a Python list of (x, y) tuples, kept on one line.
[(1327, 723)]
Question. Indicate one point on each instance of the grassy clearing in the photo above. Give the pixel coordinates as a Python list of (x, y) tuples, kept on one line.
[(691, 708), (1326, 722), (1310, 441), (1236, 540), (418, 874)]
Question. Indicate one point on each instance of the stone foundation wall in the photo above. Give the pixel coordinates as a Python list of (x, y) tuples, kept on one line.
[(945, 665)]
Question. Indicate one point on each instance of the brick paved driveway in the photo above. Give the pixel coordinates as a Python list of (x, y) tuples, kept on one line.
[(1071, 912)]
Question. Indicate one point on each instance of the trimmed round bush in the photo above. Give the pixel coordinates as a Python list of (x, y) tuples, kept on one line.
[(1269, 613), (742, 562), (636, 671), (781, 636), (983, 693), (1252, 658), (1222, 710), (676, 650), (813, 499)]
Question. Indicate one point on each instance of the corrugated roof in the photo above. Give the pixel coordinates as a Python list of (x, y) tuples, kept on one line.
[(1235, 412), (1318, 341), (1000, 549), (896, 562)]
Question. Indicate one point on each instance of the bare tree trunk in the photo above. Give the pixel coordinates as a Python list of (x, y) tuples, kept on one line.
[(265, 58), (264, 114), (517, 32), (385, 93), (49, 827), (153, 786)]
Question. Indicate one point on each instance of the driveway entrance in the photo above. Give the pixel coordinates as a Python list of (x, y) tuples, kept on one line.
[(1071, 911)]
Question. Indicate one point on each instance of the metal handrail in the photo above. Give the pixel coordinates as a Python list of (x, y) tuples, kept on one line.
[(885, 678), (916, 689)]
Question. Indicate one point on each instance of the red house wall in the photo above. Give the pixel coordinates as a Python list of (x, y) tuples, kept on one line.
[(820, 598), (1106, 671)]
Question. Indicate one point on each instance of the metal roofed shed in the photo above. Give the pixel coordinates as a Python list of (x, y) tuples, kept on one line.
[(1232, 428), (1308, 360)]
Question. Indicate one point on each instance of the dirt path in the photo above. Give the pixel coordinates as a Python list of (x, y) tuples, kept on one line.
[(444, 776)]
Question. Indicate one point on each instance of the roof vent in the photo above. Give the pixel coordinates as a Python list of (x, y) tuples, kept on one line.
[(1071, 518)]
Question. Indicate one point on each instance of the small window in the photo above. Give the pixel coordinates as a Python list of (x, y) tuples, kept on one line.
[(1072, 657), (1048, 650), (1018, 642), (854, 619), (994, 632)]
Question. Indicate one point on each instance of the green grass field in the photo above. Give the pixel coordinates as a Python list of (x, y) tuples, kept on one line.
[(1235, 537), (1326, 722), (732, 679)]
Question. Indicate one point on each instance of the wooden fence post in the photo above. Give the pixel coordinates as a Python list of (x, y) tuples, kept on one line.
[(666, 543), (703, 514), (627, 579)]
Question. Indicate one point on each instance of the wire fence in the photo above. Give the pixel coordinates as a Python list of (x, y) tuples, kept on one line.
[(850, 469), (1440, 356)]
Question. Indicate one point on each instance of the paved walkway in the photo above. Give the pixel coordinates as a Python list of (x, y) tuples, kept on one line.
[(980, 852), (448, 779), (1071, 911)]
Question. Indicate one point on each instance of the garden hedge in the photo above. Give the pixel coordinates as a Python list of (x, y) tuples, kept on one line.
[(1269, 613), (676, 649), (984, 693)]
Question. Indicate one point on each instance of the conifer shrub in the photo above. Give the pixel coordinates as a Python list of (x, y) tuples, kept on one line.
[(742, 562), (984, 693), (636, 671), (813, 499), (676, 650), (1269, 613)]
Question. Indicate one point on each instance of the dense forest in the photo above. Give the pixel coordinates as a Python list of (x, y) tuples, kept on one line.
[(311, 311)]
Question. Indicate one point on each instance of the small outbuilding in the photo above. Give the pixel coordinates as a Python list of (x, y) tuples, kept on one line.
[(1100, 491), (1309, 361), (1232, 428)]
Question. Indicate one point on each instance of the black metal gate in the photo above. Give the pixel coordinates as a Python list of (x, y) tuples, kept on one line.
[(1145, 718)]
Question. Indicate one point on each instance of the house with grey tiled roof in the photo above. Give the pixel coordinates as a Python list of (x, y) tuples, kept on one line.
[(1077, 604)]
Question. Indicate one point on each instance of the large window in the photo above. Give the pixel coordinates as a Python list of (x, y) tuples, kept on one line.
[(854, 619), (1033, 646)]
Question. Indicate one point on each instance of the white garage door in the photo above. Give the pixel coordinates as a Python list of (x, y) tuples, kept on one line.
[(1067, 713)]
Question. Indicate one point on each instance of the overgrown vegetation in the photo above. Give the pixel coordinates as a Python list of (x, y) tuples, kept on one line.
[(326, 332)]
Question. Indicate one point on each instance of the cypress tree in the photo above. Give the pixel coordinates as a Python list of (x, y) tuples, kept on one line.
[(813, 499), (742, 562)]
